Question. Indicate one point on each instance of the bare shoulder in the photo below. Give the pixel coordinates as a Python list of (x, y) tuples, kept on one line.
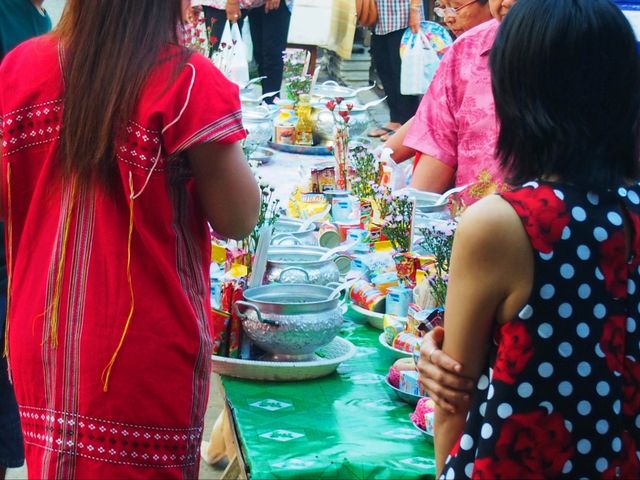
[(490, 222)]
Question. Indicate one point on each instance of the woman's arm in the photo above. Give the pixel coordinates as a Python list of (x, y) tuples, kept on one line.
[(396, 141), (489, 280), (227, 188), (432, 175)]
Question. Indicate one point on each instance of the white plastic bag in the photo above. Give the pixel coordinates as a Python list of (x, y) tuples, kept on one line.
[(419, 63), (231, 57), (239, 70), (246, 36)]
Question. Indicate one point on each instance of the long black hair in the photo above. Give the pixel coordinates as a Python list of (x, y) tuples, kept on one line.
[(566, 83)]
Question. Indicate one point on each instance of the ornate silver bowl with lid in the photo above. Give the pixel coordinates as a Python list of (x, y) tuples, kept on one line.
[(290, 321)]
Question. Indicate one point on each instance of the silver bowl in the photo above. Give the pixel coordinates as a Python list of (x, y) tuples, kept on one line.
[(290, 321), (300, 265)]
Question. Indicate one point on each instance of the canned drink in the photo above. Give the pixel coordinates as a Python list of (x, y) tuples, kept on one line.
[(329, 235), (398, 299), (367, 296), (343, 262)]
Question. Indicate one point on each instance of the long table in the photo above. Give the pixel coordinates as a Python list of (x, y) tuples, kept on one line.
[(347, 425)]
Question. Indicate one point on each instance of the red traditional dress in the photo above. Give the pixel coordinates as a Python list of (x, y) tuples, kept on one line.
[(109, 303)]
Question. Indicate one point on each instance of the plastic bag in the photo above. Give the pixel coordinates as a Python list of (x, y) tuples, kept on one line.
[(231, 57), (419, 64), (421, 53), (246, 37)]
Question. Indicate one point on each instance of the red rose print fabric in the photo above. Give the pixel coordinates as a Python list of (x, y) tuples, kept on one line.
[(543, 214), (514, 351), (560, 397)]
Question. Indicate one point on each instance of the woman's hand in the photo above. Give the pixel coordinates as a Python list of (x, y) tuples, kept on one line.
[(414, 19), (233, 10), (440, 376), (271, 5)]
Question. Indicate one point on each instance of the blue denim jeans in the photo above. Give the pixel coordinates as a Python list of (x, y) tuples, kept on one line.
[(11, 450)]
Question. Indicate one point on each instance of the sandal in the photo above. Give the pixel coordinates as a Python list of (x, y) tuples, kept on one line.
[(380, 131)]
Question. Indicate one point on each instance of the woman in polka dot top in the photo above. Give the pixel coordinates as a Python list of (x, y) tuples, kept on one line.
[(543, 307)]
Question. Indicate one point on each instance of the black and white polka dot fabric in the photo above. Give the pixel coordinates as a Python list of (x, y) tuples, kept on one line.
[(562, 396)]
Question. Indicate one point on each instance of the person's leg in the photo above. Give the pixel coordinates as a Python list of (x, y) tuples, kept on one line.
[(275, 30), (11, 449), (256, 18), (404, 106), (380, 57)]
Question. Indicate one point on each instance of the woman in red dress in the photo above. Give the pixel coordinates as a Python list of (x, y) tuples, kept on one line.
[(117, 146)]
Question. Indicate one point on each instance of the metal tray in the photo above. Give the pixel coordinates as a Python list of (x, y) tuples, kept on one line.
[(327, 360)]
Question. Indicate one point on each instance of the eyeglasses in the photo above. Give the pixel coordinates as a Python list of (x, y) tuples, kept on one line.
[(450, 11)]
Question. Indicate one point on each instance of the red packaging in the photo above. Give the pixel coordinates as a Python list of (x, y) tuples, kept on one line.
[(366, 296), (235, 327), (407, 265), (220, 321)]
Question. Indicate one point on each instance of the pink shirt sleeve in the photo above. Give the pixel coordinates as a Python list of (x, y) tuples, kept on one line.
[(434, 127)]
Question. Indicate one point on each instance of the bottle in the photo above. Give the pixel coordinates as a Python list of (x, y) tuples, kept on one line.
[(304, 127)]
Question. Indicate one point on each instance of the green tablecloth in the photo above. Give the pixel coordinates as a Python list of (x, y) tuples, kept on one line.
[(347, 425)]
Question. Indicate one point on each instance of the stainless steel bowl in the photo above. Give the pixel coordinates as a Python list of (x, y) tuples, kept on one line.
[(286, 233), (300, 265), (290, 321), (258, 121)]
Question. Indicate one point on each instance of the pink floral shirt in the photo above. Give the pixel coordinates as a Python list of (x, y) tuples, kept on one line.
[(456, 121), (221, 4)]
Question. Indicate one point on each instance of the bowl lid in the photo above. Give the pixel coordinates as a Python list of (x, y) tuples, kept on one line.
[(289, 294), (296, 254)]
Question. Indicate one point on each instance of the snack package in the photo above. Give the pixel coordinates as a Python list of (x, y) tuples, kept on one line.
[(379, 263), (392, 326), (366, 296), (385, 280), (429, 419), (428, 319), (323, 179), (312, 204), (237, 256), (407, 266), (425, 406), (398, 300), (406, 342), (409, 382)]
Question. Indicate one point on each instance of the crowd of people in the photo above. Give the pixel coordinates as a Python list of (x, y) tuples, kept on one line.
[(117, 160)]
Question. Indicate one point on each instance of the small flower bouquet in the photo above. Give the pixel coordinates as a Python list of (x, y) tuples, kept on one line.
[(438, 241), (269, 214), (396, 213), (296, 86), (294, 62), (366, 171)]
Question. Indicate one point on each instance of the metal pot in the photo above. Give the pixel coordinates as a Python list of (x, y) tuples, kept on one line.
[(330, 90), (323, 123), (286, 233), (258, 121), (290, 321), (300, 265)]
